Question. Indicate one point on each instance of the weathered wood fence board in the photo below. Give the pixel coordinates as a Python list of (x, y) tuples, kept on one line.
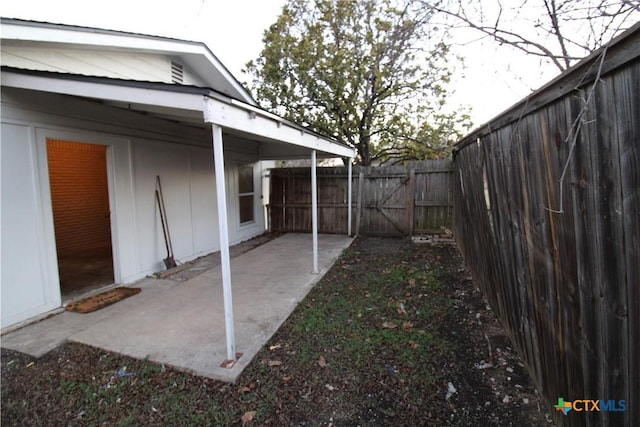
[(397, 200), (547, 215)]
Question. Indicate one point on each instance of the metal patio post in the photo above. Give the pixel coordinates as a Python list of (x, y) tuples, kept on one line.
[(314, 211), (218, 158)]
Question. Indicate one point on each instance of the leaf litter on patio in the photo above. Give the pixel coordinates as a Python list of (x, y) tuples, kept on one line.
[(394, 334)]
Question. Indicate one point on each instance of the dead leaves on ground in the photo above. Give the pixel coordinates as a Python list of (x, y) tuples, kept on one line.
[(408, 326), (272, 362), (248, 388), (322, 362), (392, 325), (248, 417), (401, 309)]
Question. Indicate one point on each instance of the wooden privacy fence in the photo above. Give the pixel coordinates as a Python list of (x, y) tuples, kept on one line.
[(547, 216), (394, 201)]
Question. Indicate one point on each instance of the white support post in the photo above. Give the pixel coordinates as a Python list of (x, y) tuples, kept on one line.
[(314, 211), (218, 158), (349, 168)]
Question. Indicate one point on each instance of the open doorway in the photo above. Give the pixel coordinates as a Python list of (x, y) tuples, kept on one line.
[(81, 215)]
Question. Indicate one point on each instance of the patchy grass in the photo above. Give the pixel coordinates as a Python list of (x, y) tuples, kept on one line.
[(376, 342)]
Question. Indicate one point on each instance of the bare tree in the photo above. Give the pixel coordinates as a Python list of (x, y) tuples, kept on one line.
[(561, 31)]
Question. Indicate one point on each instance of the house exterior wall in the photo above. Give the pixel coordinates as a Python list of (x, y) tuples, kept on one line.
[(118, 65), (138, 149)]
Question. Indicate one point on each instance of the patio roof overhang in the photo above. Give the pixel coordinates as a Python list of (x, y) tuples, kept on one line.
[(202, 107), (279, 138)]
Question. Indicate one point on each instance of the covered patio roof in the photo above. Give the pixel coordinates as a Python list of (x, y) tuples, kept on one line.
[(194, 106), (203, 108)]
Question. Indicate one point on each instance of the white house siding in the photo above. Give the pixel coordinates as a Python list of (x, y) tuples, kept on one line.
[(102, 63), (139, 148), (25, 290)]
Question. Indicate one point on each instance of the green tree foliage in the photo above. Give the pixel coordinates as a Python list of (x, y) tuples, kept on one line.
[(365, 72)]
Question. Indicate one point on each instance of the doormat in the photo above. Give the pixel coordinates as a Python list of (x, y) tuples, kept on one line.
[(98, 301)]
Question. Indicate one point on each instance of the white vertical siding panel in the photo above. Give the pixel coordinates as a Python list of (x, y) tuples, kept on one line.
[(124, 230), (171, 163), (203, 199), (25, 280)]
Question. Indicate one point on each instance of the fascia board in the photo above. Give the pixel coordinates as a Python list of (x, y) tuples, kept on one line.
[(81, 37), (266, 125)]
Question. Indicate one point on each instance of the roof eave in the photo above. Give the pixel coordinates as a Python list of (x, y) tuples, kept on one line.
[(214, 107)]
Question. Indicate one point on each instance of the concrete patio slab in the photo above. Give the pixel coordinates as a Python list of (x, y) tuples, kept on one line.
[(181, 323)]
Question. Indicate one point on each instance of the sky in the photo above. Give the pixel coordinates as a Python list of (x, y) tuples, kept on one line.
[(493, 78)]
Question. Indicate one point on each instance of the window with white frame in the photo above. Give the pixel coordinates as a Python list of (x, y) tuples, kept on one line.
[(246, 193)]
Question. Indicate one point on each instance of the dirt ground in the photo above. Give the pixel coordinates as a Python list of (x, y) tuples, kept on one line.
[(395, 334)]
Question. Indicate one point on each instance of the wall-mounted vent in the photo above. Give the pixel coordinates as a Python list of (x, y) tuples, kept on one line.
[(177, 73)]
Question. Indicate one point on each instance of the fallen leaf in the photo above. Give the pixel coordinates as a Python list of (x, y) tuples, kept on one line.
[(247, 417), (413, 344), (244, 390), (287, 378), (412, 282), (389, 325), (227, 364), (322, 362), (330, 387), (401, 309), (407, 325), (274, 363), (275, 347)]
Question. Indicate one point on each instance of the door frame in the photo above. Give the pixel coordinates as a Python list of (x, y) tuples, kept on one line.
[(51, 256)]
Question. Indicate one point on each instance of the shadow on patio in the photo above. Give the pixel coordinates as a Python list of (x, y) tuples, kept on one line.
[(181, 323)]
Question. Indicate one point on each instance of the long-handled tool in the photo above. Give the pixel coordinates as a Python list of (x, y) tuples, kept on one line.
[(169, 262)]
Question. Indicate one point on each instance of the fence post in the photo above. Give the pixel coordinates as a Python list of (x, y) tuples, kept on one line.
[(411, 200), (349, 188), (359, 209)]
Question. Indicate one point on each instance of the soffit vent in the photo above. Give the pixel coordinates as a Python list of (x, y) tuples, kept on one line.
[(177, 73)]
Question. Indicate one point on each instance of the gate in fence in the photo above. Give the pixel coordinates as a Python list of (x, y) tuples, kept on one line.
[(392, 201)]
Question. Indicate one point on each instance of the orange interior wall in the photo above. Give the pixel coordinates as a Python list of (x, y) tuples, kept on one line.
[(80, 196)]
